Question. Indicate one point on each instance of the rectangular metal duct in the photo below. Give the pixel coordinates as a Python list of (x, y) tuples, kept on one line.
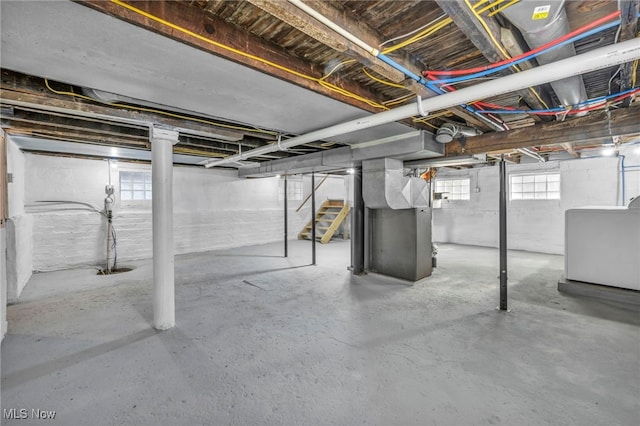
[(384, 186)]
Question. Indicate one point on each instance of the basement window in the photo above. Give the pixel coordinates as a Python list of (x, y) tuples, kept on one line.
[(544, 186), (135, 186), (454, 189), (294, 190)]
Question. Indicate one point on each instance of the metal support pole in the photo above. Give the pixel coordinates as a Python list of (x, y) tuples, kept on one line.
[(286, 219), (313, 218), (503, 235), (357, 225), (162, 141)]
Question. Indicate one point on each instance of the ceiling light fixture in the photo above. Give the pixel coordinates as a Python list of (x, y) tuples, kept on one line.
[(608, 151)]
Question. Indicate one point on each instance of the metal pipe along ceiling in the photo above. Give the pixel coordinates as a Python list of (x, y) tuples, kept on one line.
[(538, 32), (378, 54), (596, 59)]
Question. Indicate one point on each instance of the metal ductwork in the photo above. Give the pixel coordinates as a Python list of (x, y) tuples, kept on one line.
[(384, 186), (541, 22), (450, 131)]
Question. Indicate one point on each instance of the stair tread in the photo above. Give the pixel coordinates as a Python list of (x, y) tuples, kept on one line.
[(327, 218)]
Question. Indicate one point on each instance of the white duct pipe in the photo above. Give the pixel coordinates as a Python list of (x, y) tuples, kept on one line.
[(328, 132), (596, 59), (531, 154)]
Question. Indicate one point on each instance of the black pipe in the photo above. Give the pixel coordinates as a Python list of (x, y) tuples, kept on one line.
[(357, 225), (286, 219), (503, 235), (313, 218)]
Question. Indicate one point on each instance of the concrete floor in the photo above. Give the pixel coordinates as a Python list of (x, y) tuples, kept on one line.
[(267, 340)]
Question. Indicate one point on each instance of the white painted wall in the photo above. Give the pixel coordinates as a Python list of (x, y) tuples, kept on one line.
[(3, 284), (3, 260), (213, 209), (19, 225), (632, 171), (533, 225)]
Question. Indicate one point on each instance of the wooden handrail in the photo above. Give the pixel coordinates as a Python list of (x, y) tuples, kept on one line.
[(309, 196)]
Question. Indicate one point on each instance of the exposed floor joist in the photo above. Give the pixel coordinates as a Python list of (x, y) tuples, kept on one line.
[(597, 127), (293, 16), (210, 34), (469, 24)]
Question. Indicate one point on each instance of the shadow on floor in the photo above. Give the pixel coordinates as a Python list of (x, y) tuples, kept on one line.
[(49, 367)]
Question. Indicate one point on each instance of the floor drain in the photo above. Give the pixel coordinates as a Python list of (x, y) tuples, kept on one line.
[(113, 271)]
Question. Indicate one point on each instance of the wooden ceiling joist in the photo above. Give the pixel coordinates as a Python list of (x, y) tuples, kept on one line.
[(293, 16), (216, 36), (486, 42), (597, 127)]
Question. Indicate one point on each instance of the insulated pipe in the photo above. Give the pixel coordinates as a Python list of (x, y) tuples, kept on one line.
[(162, 141), (335, 27), (596, 59), (531, 154), (328, 132)]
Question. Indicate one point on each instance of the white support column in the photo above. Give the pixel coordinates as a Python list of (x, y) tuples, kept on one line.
[(162, 141)]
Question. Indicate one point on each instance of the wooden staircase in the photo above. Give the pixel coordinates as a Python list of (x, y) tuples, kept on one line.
[(328, 219)]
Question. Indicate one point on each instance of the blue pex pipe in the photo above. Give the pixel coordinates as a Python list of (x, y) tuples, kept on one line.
[(526, 58)]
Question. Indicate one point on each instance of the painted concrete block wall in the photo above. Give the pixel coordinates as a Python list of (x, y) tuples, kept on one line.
[(533, 225), (19, 228), (3, 284), (213, 209), (632, 171), (19, 254), (17, 187)]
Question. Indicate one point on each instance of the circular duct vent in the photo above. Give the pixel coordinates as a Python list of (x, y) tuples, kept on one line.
[(446, 133)]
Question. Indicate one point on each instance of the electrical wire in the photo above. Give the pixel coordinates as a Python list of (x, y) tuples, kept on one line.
[(577, 108), (500, 9), (114, 247), (542, 48), (423, 34), (400, 100), (320, 81), (526, 57), (480, 3), (387, 83), (156, 111), (336, 67), (444, 15), (484, 9), (500, 48), (90, 206), (528, 54)]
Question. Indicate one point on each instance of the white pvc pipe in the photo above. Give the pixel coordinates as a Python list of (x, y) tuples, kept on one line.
[(335, 27), (162, 142), (596, 59)]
